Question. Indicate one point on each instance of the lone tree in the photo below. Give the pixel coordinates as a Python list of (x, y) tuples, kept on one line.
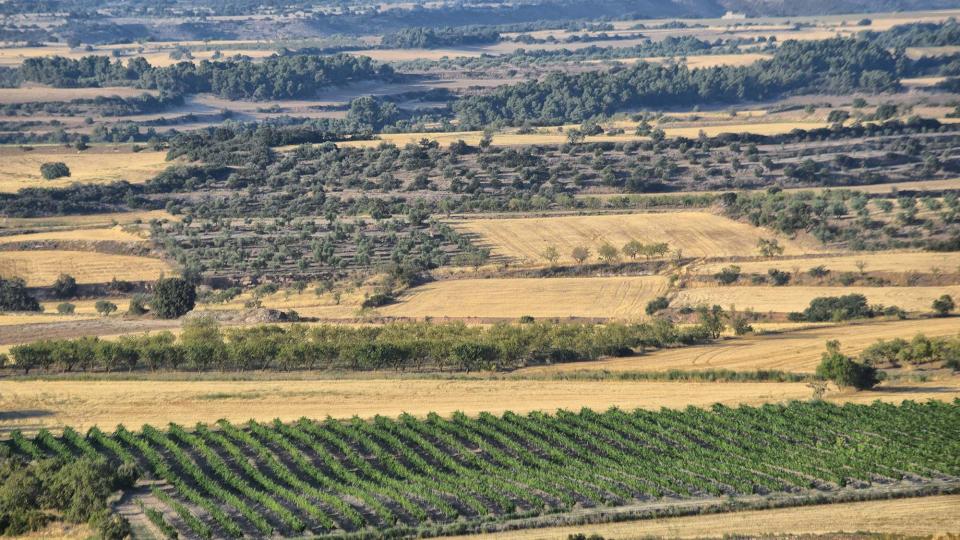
[(608, 253), (769, 247), (173, 297), (580, 254), (65, 286), (54, 169), (551, 255), (844, 371), (944, 305)]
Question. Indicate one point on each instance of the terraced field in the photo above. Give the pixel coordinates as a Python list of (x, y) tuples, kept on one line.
[(320, 477), (697, 234), (41, 267), (789, 299), (604, 297)]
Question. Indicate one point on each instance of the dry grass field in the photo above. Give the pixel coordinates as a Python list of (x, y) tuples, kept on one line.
[(885, 261), (795, 351), (30, 405), (698, 234), (613, 297), (40, 268), (917, 516), (43, 94), (112, 234), (786, 299), (21, 169), (85, 221)]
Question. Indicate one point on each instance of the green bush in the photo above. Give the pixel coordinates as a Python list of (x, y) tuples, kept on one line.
[(844, 371), (15, 297), (53, 170), (173, 298)]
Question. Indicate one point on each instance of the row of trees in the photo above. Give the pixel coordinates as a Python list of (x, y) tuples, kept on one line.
[(203, 346), (608, 253), (169, 298)]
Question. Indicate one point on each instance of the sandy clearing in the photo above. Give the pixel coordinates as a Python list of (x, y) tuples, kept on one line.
[(608, 297), (916, 516), (794, 351), (698, 234), (30, 405)]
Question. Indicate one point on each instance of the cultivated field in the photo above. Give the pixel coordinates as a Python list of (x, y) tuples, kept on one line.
[(41, 268), (606, 297), (22, 169), (81, 404), (885, 261), (794, 351), (85, 221), (931, 516), (697, 234), (786, 299), (113, 234), (42, 94)]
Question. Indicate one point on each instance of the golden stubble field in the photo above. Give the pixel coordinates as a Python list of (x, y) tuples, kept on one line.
[(697, 234), (111, 234), (919, 516), (41, 267), (764, 299), (884, 261), (20, 169), (606, 297), (85, 221), (794, 351), (30, 405)]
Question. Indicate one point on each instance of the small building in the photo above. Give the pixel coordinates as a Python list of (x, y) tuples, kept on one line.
[(731, 16)]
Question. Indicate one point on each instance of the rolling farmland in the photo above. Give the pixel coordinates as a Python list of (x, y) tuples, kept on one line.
[(22, 169), (698, 234), (886, 261), (317, 477)]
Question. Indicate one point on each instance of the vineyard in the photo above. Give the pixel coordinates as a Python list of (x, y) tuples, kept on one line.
[(409, 476)]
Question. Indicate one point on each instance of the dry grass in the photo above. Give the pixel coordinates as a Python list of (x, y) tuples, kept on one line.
[(85, 220), (22, 169), (30, 405), (698, 234), (614, 297), (795, 351), (41, 268), (698, 61), (886, 261), (42, 94), (787, 299), (551, 136), (60, 531), (112, 234), (918, 516)]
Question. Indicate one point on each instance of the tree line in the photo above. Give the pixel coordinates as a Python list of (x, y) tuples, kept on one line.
[(204, 346), (276, 77)]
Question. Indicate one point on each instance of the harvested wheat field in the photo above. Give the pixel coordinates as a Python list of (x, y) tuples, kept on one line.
[(30, 405), (41, 94), (607, 297), (698, 234), (22, 169), (916, 516), (41, 268), (112, 234), (794, 351), (787, 299), (886, 261), (85, 220)]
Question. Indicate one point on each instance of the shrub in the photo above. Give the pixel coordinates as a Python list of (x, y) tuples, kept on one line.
[(105, 307), (844, 371), (837, 308), (818, 271), (728, 275), (377, 300), (54, 169), (66, 308), (14, 296), (778, 277), (173, 298), (65, 286), (944, 305), (137, 305), (657, 304)]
